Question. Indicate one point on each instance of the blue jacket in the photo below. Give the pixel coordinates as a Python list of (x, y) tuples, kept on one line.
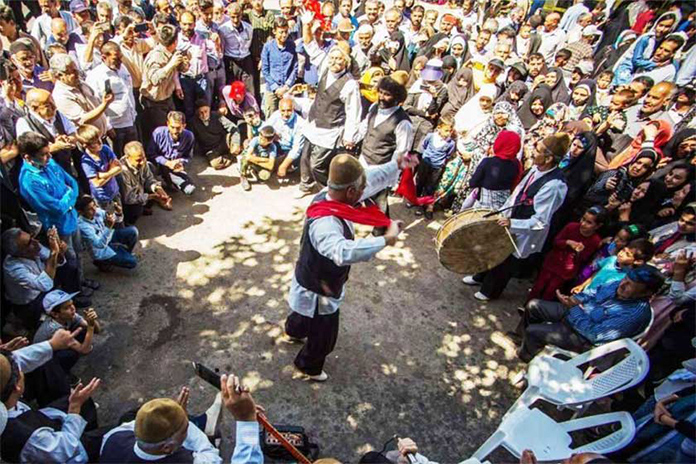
[(51, 192)]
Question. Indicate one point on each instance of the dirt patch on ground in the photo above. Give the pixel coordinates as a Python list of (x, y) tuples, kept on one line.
[(416, 356)]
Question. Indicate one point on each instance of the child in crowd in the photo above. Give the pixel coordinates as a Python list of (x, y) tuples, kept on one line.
[(436, 149), (603, 91), (572, 248), (101, 167), (614, 268), (250, 127), (107, 246), (611, 247), (258, 159)]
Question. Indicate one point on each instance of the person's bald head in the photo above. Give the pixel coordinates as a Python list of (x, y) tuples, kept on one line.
[(40, 102), (286, 108), (657, 97), (551, 21), (59, 30)]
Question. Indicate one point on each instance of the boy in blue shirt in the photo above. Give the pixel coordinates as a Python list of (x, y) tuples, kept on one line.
[(258, 160)]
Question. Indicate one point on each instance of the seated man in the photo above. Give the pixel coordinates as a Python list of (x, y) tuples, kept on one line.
[(101, 167), (53, 434), (288, 125), (107, 246), (258, 159), (216, 138), (676, 236), (30, 270), (613, 311), (61, 312), (171, 148), (140, 189)]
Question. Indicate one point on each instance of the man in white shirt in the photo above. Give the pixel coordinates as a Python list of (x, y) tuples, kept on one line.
[(552, 37), (121, 113), (327, 250)]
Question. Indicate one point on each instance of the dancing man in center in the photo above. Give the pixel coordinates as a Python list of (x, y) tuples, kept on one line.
[(328, 248)]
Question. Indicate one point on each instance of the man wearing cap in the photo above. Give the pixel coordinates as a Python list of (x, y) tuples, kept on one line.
[(61, 312), (328, 248), (528, 213), (10, 32), (54, 433), (23, 55), (386, 132), (582, 49), (590, 318)]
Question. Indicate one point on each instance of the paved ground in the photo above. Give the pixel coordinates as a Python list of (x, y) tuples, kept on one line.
[(416, 356)]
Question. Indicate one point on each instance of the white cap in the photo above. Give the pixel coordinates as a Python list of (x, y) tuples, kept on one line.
[(55, 298)]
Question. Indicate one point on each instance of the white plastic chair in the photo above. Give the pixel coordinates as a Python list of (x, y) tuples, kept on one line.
[(531, 429), (562, 383)]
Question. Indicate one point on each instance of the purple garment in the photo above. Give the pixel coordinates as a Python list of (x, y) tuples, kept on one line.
[(92, 167), (163, 148), (236, 110), (35, 82)]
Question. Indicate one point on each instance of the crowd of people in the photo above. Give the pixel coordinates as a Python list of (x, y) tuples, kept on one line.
[(574, 122)]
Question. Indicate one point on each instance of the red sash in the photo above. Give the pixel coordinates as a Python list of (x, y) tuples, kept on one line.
[(366, 215)]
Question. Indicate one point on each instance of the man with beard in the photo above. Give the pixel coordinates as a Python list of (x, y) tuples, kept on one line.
[(386, 133), (333, 119), (217, 138), (361, 53), (328, 248)]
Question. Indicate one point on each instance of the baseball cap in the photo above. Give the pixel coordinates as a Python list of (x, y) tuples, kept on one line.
[(497, 62), (77, 6), (55, 298)]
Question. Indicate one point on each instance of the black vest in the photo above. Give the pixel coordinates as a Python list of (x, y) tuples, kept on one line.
[(328, 111), (18, 431), (119, 449), (525, 199), (380, 141), (316, 272)]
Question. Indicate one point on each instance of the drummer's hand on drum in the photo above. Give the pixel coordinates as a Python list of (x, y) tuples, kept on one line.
[(393, 231), (504, 222)]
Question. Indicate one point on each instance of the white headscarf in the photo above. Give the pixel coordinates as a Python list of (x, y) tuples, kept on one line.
[(471, 115)]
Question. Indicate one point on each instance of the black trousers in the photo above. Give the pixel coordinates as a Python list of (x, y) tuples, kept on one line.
[(154, 115), (321, 332), (124, 135), (314, 165), (544, 324), (243, 69), (493, 282)]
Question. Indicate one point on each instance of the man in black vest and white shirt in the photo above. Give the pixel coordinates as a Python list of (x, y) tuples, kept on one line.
[(334, 116), (532, 205), (327, 250), (386, 132)]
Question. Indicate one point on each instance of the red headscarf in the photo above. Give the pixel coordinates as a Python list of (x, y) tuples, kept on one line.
[(506, 146), (664, 133), (237, 90)]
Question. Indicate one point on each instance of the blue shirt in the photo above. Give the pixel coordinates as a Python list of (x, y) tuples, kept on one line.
[(163, 148), (290, 138), (92, 167), (278, 65), (51, 192), (609, 272), (256, 149), (96, 236), (436, 155), (602, 317)]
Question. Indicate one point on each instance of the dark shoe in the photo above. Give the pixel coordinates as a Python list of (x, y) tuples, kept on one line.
[(93, 284), (82, 301), (429, 215), (514, 337), (245, 184)]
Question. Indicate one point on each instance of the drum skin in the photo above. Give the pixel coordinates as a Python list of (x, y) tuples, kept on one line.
[(468, 243)]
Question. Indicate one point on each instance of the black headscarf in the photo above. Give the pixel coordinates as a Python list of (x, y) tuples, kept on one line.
[(579, 170), (543, 93), (400, 56), (448, 63), (643, 211), (518, 87), (427, 48), (559, 90), (670, 149)]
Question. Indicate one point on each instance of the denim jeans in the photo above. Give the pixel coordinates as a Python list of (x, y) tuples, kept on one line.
[(123, 242)]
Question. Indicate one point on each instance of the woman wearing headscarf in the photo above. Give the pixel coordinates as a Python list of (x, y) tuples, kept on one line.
[(679, 192), (449, 68), (582, 97), (640, 209), (458, 49), (476, 110), (559, 89), (616, 23), (459, 91), (478, 144), (578, 166), (607, 56), (554, 119), (534, 107), (682, 146), (368, 87), (416, 68), (516, 72), (394, 54), (425, 100), (654, 135), (514, 94), (497, 175)]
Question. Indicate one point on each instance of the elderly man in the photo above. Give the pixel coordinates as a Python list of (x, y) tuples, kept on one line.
[(654, 107), (171, 149), (361, 53), (327, 250), (217, 138), (288, 126), (43, 118), (139, 186), (61, 35), (30, 270), (10, 32), (194, 82), (50, 9), (23, 55), (552, 37), (160, 80), (610, 312), (111, 76), (236, 36), (54, 433), (75, 99), (392, 21)]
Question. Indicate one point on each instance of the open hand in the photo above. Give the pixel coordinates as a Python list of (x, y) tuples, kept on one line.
[(237, 399), (80, 394)]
